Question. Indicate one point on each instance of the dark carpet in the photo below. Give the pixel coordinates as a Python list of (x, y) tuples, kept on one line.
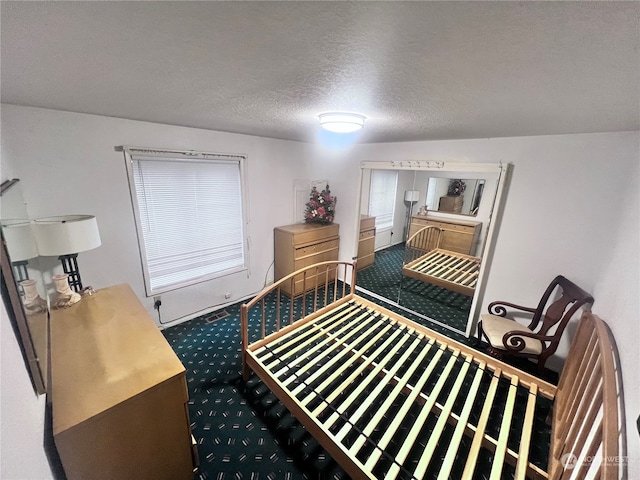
[(384, 277)]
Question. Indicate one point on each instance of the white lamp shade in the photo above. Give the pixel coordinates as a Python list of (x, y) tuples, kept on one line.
[(20, 241), (66, 235), (411, 195), (341, 122)]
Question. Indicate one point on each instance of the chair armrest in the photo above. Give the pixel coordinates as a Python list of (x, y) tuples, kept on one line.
[(499, 308), (513, 341)]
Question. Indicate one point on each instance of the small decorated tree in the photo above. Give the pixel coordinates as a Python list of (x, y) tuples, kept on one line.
[(456, 187), (321, 207)]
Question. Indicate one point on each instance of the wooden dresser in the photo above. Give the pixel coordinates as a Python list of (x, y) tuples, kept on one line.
[(300, 245), (460, 236), (118, 392), (451, 203), (367, 241)]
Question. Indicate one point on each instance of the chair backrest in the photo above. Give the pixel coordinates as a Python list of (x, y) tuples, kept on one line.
[(560, 310)]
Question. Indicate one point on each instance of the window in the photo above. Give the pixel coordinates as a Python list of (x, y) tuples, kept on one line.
[(189, 215), (382, 197)]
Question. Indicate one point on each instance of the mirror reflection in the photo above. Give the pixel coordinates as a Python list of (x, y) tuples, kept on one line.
[(453, 195), (30, 308), (427, 231)]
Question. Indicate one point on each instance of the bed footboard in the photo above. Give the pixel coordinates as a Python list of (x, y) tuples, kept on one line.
[(586, 436)]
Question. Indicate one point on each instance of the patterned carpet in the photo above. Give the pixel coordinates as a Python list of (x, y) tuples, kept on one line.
[(242, 430), (385, 278)]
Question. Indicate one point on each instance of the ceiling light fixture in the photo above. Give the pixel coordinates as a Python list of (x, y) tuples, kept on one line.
[(342, 122)]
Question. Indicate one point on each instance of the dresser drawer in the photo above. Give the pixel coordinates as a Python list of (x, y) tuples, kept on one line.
[(456, 243), (367, 234), (316, 249), (367, 222), (366, 260), (314, 235), (457, 236)]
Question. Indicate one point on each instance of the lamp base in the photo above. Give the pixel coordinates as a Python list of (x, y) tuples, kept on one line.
[(32, 301), (20, 270), (70, 267), (65, 297)]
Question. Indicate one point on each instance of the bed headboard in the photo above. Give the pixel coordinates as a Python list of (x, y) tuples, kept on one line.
[(586, 432), (274, 310)]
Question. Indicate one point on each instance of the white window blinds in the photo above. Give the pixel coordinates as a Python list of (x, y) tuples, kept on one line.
[(189, 215), (382, 197)]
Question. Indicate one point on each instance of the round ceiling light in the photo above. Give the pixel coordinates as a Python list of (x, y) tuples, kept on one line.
[(342, 122)]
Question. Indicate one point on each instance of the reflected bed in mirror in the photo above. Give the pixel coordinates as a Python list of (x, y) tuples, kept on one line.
[(445, 288)]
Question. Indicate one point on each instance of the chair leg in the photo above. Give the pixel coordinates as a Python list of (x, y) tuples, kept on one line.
[(495, 353), (480, 334), (541, 362)]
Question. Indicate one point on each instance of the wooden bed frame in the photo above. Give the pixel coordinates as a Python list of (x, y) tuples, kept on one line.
[(451, 270), (425, 261), (389, 398)]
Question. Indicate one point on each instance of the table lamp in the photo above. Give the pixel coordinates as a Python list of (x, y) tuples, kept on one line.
[(21, 245), (65, 237), (411, 197)]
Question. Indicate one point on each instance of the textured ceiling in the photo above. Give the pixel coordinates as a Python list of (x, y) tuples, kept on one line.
[(417, 70)]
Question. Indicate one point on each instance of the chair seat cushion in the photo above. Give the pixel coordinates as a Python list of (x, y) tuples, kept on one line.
[(495, 327)]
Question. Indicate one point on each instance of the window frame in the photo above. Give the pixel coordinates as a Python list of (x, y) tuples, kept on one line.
[(176, 156)]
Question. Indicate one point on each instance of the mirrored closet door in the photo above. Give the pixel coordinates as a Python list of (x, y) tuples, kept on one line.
[(434, 229)]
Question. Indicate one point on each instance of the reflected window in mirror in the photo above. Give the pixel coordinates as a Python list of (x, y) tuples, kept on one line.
[(382, 197)]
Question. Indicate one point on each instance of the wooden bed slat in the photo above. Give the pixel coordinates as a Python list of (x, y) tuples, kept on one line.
[(337, 344), (401, 413), (447, 464), (289, 335), (388, 401), (312, 333), (343, 349), (361, 368), (501, 448), (373, 375), (418, 424), (442, 420), (525, 436), (472, 457)]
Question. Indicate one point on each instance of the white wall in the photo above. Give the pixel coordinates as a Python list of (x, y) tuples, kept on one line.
[(566, 209), (617, 291), (67, 164)]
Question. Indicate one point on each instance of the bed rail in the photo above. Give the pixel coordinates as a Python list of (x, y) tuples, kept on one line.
[(587, 412), (324, 283)]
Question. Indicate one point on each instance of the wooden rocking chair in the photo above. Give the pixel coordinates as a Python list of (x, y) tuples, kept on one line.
[(538, 339)]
